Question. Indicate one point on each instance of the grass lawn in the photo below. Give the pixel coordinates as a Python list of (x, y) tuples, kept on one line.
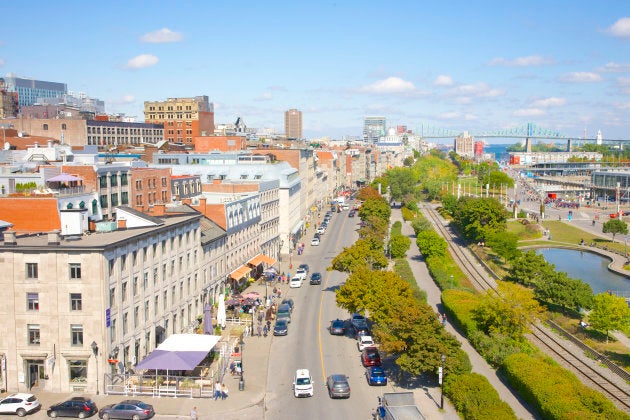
[(524, 232), (565, 233)]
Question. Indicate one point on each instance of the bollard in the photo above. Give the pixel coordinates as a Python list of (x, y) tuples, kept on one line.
[(241, 384)]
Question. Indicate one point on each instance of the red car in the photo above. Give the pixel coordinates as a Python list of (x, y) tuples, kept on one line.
[(370, 357)]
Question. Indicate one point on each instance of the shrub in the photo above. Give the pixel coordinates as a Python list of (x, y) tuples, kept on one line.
[(407, 214), (494, 348), (475, 398), (522, 214), (397, 228), (554, 391), (445, 272), (458, 305), (420, 224), (399, 245), (402, 268)]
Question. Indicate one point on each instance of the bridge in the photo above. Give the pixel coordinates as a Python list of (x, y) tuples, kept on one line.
[(529, 131)]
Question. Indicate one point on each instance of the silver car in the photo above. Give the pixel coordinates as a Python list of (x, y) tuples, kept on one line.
[(338, 386)]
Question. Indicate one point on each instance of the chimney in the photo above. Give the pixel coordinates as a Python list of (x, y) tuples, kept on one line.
[(159, 209), (186, 201), (9, 238), (54, 238), (216, 181), (122, 223), (202, 204)]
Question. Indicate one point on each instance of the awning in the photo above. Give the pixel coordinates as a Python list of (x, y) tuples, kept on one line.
[(297, 227), (179, 352), (261, 258), (63, 178), (240, 272)]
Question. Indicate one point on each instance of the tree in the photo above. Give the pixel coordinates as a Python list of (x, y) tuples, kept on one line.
[(615, 226), (510, 312), (408, 161), (479, 217), (505, 244), (374, 230), (402, 181), (564, 291), (609, 313), (368, 192), (430, 243), (530, 269), (399, 245), (360, 254), (375, 207)]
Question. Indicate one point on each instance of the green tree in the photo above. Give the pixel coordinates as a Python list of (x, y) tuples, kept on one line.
[(564, 291), (479, 217), (402, 181), (399, 245), (374, 230), (510, 312), (360, 254), (375, 207), (420, 224), (615, 226), (609, 313), (505, 244), (430, 243), (408, 161), (530, 269)]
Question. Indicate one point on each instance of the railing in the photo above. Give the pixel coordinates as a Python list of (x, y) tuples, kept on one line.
[(592, 352)]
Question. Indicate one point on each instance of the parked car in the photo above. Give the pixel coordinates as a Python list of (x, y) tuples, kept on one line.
[(127, 409), (284, 312), (296, 282), (361, 331), (351, 213), (302, 383), (281, 327), (20, 404), (370, 357), (364, 342), (337, 327), (316, 278), (338, 386), (375, 375), (288, 301), (80, 407), (357, 319), (321, 230), (315, 242), (304, 267), (301, 273)]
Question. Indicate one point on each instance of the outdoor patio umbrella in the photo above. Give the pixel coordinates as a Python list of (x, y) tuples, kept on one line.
[(207, 319)]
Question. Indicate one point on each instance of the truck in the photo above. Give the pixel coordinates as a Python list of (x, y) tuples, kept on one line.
[(399, 406)]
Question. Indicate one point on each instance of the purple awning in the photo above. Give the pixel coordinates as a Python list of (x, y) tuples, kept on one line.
[(179, 352)]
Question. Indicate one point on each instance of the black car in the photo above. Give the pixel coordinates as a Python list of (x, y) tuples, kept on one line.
[(337, 327), (304, 266), (316, 278), (351, 213), (281, 327), (127, 409), (75, 407)]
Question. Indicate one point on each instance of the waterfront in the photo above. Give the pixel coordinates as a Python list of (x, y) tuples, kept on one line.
[(590, 268)]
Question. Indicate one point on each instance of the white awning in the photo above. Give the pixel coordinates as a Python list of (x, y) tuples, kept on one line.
[(297, 227)]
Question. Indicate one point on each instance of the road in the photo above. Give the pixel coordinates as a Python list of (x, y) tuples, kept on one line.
[(309, 344)]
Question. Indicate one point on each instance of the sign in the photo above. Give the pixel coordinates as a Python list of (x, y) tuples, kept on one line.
[(108, 317), (440, 375)]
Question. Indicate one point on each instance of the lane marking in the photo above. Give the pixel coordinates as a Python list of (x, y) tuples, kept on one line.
[(321, 304)]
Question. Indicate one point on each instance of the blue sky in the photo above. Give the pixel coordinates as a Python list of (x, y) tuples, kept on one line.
[(461, 65)]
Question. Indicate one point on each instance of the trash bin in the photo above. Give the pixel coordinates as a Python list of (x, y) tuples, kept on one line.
[(241, 384)]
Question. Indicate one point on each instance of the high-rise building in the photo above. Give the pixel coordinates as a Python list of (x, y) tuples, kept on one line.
[(464, 145), (183, 118), (373, 129), (29, 90), (293, 124)]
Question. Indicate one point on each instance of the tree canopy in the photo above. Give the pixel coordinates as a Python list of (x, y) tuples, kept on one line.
[(360, 254), (615, 226), (609, 313), (480, 217)]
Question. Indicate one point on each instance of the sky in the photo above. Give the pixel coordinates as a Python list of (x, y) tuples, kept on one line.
[(477, 66)]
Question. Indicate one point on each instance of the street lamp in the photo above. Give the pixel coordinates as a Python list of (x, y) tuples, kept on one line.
[(95, 351), (441, 378), (241, 381)]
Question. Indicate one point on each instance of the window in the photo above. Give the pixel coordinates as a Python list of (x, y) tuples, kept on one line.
[(76, 303), (136, 316), (32, 301), (31, 270), (77, 370), (123, 291), (125, 320), (146, 310), (33, 334), (76, 334), (135, 285), (145, 280), (75, 270), (165, 300), (156, 302)]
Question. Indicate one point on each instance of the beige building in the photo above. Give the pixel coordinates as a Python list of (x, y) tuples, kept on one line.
[(465, 145), (124, 287), (293, 124), (183, 118)]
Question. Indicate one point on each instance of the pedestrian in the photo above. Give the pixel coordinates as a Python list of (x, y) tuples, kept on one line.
[(444, 320), (265, 331), (224, 391), (217, 390), (193, 413), (259, 329)]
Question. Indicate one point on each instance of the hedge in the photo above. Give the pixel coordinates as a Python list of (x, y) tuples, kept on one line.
[(474, 398), (402, 268), (555, 392), (407, 214), (458, 305)]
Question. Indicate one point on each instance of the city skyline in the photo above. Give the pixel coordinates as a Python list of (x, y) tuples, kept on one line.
[(462, 66)]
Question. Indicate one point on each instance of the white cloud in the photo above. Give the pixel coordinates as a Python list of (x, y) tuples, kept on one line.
[(530, 60), (141, 61), (123, 100), (2, 62), (470, 117), (448, 116), (623, 83), (266, 96), (547, 102), (161, 36), (443, 80), (528, 112), (615, 68), (480, 90), (621, 28), (580, 77), (389, 85)]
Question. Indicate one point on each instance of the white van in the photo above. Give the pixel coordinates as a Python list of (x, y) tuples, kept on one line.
[(296, 282), (302, 383)]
